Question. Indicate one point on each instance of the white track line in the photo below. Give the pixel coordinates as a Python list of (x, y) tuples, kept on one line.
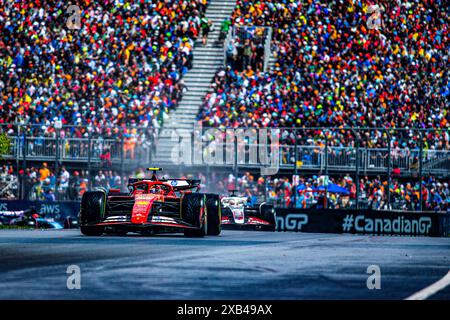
[(432, 289)]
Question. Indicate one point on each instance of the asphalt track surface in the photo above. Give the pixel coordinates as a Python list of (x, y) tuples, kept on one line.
[(235, 265)]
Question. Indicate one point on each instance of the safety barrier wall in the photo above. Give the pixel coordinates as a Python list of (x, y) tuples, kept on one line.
[(364, 222), (303, 220)]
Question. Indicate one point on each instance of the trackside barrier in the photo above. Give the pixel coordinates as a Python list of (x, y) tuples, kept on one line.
[(304, 220), (364, 222)]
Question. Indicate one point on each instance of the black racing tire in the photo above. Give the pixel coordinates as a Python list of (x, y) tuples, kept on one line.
[(92, 210), (191, 206), (267, 213), (214, 214)]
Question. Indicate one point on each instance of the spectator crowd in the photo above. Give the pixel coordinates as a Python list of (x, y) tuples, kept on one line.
[(43, 183), (404, 193), (333, 70), (121, 69)]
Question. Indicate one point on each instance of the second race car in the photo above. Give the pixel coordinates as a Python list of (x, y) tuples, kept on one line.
[(237, 212)]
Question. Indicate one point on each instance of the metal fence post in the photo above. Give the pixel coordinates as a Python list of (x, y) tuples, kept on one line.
[(89, 161), (122, 158), (326, 169), (389, 169), (357, 171), (17, 156), (57, 142), (24, 164), (326, 153), (295, 168), (420, 171), (235, 161)]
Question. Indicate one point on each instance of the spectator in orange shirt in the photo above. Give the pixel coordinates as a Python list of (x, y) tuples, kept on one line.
[(44, 172)]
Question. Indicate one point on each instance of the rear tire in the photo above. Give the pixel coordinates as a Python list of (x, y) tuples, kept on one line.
[(214, 214), (191, 205), (92, 211)]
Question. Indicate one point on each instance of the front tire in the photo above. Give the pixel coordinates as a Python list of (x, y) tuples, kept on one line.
[(92, 211), (194, 212)]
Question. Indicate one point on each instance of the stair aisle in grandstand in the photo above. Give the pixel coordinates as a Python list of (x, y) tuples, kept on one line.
[(207, 59)]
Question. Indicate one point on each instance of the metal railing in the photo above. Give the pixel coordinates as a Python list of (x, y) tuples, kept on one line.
[(320, 158), (246, 154), (74, 149), (133, 145), (336, 159)]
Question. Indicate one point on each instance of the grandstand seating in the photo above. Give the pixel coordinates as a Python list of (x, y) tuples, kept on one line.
[(331, 70), (122, 68)]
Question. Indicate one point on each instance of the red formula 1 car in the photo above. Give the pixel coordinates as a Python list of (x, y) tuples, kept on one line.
[(152, 206)]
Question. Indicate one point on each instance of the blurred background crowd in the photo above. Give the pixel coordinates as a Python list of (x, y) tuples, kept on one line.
[(121, 70), (332, 70)]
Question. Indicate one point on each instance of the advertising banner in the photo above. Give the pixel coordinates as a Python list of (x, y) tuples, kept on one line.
[(363, 222), (57, 210)]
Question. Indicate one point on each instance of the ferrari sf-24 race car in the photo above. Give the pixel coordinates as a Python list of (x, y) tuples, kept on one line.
[(237, 212), (152, 205)]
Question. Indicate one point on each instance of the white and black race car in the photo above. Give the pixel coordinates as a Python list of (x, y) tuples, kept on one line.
[(237, 212)]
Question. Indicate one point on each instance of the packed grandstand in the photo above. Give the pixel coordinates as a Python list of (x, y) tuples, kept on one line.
[(331, 70), (120, 77), (122, 69)]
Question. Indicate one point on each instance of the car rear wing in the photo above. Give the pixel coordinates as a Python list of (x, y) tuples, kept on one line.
[(177, 184), (183, 184)]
